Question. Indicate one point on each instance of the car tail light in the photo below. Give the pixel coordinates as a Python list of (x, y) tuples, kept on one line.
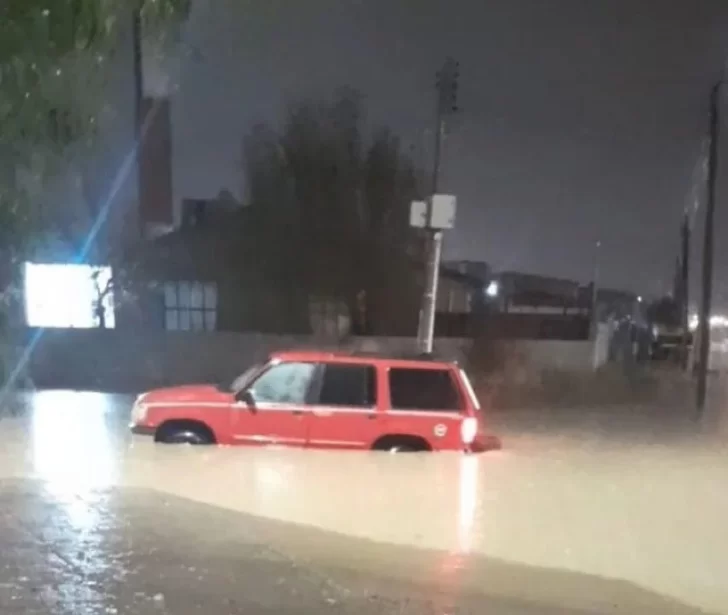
[(469, 429)]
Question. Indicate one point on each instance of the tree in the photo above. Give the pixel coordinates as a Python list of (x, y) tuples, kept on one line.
[(55, 58), (55, 61), (336, 204)]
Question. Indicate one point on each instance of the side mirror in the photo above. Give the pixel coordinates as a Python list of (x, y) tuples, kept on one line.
[(246, 397)]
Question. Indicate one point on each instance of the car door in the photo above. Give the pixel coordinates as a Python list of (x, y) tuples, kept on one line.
[(344, 411), (279, 414)]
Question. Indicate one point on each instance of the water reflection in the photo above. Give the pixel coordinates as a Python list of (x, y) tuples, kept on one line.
[(467, 500), (541, 502), (72, 447), (73, 455)]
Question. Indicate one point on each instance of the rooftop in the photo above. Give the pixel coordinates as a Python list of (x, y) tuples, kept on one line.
[(393, 359)]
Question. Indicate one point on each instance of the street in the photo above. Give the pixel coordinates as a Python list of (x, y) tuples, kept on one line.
[(563, 520)]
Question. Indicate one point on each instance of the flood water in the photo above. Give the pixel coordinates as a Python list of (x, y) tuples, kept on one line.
[(563, 520)]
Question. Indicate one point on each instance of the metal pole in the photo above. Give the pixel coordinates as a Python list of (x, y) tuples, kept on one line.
[(595, 289), (434, 253), (685, 288), (707, 281), (447, 79)]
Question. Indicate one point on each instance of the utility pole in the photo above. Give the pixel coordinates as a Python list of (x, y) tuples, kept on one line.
[(136, 35), (707, 278), (684, 298), (595, 290), (446, 88)]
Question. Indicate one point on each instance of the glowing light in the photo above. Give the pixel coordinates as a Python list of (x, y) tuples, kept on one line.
[(64, 296), (72, 450), (467, 501), (493, 289), (718, 321)]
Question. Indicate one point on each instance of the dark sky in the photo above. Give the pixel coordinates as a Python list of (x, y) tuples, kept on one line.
[(582, 120)]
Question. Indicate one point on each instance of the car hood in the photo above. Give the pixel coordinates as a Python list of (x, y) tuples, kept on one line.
[(187, 393)]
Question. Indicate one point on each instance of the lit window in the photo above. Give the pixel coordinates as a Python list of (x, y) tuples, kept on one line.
[(190, 306), (68, 296)]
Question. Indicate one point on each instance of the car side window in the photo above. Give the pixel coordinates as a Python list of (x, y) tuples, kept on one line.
[(353, 386), (423, 389), (285, 383)]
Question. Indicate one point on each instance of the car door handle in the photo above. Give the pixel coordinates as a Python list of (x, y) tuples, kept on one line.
[(297, 412), (372, 416)]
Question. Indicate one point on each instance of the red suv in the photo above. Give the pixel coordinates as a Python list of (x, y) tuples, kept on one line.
[(323, 400)]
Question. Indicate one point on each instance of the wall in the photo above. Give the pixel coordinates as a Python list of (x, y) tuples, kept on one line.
[(555, 354), (119, 361)]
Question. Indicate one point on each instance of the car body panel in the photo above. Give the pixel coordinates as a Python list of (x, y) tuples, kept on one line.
[(314, 425)]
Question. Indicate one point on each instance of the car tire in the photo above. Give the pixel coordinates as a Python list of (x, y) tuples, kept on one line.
[(401, 448), (183, 435)]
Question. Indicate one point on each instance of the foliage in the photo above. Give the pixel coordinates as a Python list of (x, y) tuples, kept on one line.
[(338, 203), (44, 43), (55, 58)]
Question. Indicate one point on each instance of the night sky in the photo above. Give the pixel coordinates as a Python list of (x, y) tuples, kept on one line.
[(582, 120)]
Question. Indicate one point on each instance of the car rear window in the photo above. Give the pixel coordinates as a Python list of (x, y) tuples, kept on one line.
[(423, 389), (352, 386)]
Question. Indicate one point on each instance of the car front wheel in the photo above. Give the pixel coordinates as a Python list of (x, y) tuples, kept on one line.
[(402, 448), (184, 434), (401, 444)]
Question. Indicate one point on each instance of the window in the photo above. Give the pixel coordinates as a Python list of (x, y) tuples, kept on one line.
[(423, 389), (353, 386), (242, 381), (286, 383), (190, 306)]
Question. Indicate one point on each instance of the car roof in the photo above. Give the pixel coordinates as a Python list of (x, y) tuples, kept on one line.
[(391, 360)]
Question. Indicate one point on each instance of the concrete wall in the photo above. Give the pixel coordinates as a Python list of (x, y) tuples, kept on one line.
[(119, 361), (554, 354)]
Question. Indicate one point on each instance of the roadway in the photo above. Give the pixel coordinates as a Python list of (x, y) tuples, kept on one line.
[(577, 514)]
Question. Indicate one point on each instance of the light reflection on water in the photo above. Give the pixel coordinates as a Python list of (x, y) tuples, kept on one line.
[(74, 457), (72, 449)]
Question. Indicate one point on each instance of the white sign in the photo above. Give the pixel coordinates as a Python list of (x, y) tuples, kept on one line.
[(443, 212), (418, 214)]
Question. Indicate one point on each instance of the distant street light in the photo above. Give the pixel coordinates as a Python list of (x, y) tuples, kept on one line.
[(493, 289)]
